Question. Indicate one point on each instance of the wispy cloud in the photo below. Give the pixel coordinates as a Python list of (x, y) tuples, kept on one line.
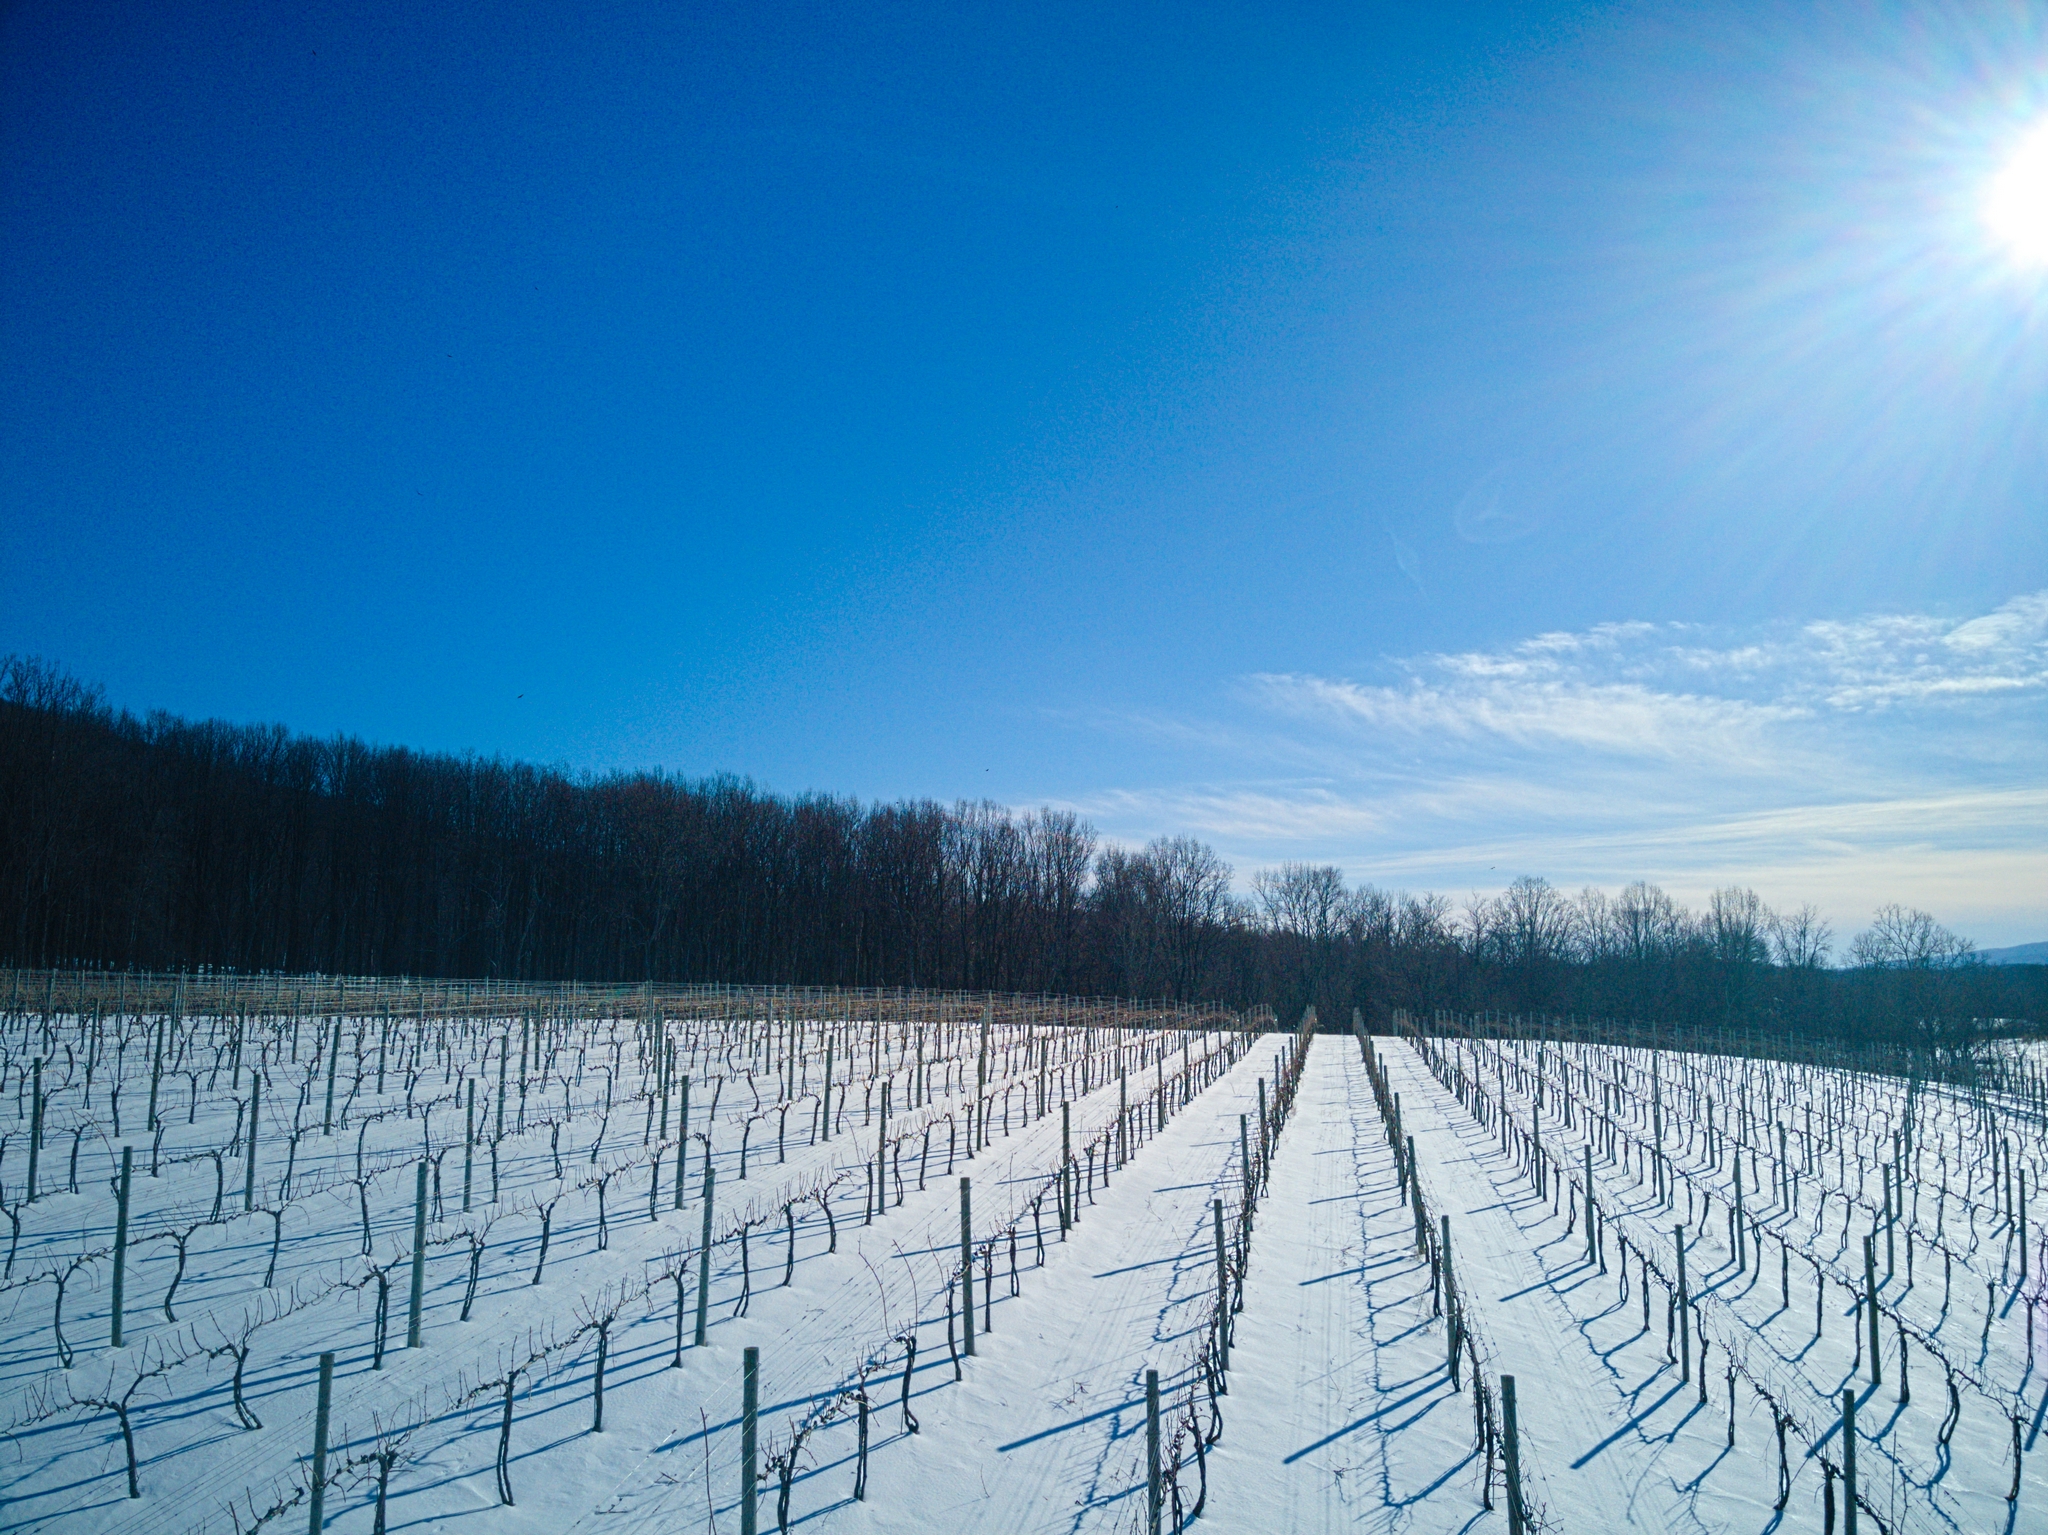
[(1903, 659), (1894, 756), (1527, 707), (1658, 689)]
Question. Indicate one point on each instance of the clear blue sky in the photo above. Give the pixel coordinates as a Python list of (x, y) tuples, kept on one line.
[(1447, 441)]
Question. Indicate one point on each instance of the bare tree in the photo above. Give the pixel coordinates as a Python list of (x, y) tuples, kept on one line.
[(1800, 939), (1309, 905), (1900, 938)]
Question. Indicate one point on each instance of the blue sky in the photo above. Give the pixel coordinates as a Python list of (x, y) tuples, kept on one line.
[(1605, 442)]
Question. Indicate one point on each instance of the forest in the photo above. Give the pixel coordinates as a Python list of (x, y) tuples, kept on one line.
[(164, 843)]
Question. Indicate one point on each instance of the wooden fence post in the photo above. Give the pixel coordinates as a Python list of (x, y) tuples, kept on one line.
[(1450, 1295), (121, 1235), (1415, 1199), (704, 1256), (1265, 1136), (1512, 1447), (156, 1073), (1244, 1156), (967, 1261), (750, 1417), (682, 1141), (1069, 1216), (1684, 1311), (1592, 1255), (320, 1416), (1222, 1298), (419, 1259), (1153, 1492), (333, 1059), (504, 1070), (1849, 1459), (249, 1171), (35, 1127)]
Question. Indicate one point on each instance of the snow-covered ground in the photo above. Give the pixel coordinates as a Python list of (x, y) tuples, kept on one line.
[(1707, 1455), (1340, 1410)]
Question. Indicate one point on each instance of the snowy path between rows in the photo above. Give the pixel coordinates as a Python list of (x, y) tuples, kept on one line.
[(1617, 1440), (1341, 1415), (1770, 1318), (1608, 1432), (1045, 1430)]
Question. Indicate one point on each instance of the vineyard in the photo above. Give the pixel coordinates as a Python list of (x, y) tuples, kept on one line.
[(296, 1254)]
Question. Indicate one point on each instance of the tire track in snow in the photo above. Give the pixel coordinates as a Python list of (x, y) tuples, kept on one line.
[(1341, 1415)]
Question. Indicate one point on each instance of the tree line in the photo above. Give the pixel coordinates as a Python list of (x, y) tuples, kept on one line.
[(164, 843), (1639, 956)]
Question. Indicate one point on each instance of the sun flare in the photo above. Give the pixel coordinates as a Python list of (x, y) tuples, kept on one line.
[(2017, 209)]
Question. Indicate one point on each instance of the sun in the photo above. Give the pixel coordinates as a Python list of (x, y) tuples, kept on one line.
[(2017, 209)]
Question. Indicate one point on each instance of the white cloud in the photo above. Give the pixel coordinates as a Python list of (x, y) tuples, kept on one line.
[(1529, 704), (1659, 685), (1894, 756)]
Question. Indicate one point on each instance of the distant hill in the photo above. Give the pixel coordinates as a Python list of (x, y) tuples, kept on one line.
[(2018, 954)]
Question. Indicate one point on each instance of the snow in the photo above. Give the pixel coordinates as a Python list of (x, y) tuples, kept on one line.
[(1340, 1412)]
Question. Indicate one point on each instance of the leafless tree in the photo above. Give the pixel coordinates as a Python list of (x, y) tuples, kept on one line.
[(1800, 939), (1900, 938)]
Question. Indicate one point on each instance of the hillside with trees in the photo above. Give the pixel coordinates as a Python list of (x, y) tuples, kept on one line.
[(165, 843)]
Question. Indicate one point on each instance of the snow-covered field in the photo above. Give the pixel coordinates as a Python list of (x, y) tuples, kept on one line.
[(1146, 1188)]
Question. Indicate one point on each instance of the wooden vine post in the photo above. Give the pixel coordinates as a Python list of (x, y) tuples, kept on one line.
[(1512, 1449), (35, 1127), (682, 1140), (1684, 1311), (704, 1257), (967, 1261), (1592, 1255), (419, 1259), (1153, 1490), (320, 1417), (1222, 1300), (333, 1060), (249, 1169), (1849, 1460), (750, 1423), (121, 1235)]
